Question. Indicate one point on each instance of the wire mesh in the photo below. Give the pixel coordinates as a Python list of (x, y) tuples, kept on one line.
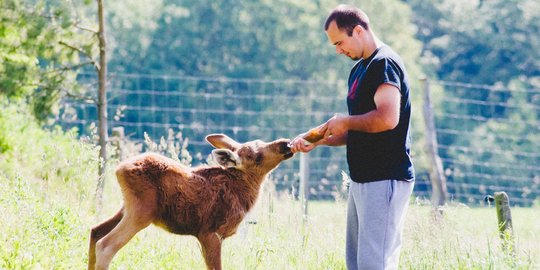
[(488, 136)]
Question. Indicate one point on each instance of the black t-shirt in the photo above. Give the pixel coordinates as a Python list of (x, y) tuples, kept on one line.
[(385, 155)]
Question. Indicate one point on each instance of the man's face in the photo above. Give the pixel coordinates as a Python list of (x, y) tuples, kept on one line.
[(350, 46)]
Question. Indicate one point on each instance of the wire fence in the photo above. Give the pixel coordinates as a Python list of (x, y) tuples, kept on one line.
[(470, 120), (244, 109), (489, 141)]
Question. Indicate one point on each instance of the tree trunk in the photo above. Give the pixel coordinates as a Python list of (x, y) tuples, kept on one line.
[(102, 108)]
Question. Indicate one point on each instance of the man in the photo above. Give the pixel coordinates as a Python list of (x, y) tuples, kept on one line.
[(376, 133)]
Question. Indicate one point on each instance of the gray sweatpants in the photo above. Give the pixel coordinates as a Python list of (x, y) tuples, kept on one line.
[(375, 216)]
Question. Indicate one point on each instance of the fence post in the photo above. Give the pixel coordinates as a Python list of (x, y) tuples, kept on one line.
[(117, 141), (502, 204), (303, 190), (436, 172)]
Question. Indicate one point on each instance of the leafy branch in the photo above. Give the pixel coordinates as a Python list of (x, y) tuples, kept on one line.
[(83, 52)]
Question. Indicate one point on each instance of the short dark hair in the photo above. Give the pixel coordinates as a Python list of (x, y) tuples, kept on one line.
[(347, 18)]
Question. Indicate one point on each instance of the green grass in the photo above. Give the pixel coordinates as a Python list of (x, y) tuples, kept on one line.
[(54, 235), (468, 238), (47, 180)]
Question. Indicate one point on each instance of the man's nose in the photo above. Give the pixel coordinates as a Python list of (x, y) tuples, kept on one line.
[(339, 50)]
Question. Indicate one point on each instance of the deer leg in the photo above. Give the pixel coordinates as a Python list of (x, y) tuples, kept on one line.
[(211, 250), (99, 232), (108, 246)]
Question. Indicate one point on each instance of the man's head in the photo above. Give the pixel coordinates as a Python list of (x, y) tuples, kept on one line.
[(347, 28)]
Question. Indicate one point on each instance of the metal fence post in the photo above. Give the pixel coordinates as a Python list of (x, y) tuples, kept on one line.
[(118, 142), (304, 183)]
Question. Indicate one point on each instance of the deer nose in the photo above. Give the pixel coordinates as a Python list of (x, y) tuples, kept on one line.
[(283, 146)]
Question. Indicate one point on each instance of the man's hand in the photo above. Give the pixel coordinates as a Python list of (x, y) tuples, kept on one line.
[(337, 126), (301, 143), (298, 144)]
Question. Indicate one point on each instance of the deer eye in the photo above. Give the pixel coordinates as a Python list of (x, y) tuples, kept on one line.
[(259, 158)]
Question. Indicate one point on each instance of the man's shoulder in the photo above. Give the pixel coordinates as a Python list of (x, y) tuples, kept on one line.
[(386, 50), (386, 57), (385, 53)]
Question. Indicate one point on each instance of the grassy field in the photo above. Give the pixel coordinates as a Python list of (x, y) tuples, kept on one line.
[(47, 181), (51, 232)]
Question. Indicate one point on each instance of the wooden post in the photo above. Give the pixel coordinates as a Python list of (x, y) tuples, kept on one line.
[(304, 183), (436, 172), (118, 141), (502, 204)]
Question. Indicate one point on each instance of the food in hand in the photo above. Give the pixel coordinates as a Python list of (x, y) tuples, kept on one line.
[(314, 135)]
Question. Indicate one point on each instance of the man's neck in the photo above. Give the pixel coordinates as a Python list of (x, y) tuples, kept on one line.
[(372, 47)]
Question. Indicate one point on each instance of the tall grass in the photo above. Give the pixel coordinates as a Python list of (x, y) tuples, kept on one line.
[(47, 180), (468, 238), (46, 183)]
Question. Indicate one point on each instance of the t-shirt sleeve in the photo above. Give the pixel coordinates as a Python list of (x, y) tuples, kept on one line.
[(388, 72)]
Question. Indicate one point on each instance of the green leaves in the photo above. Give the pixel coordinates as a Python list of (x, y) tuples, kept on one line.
[(34, 63), (495, 45)]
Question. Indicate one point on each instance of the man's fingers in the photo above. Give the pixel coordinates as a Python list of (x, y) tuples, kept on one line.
[(301, 145), (324, 128), (327, 132)]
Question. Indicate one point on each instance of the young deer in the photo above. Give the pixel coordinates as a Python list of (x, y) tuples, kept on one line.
[(206, 202)]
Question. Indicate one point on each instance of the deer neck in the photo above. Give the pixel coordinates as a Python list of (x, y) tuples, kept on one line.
[(247, 185)]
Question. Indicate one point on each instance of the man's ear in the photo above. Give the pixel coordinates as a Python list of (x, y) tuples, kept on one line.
[(359, 29), (226, 158)]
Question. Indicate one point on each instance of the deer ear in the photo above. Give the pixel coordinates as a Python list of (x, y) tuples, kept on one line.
[(222, 141), (226, 158)]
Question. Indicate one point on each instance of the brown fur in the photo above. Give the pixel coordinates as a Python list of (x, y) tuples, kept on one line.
[(206, 202)]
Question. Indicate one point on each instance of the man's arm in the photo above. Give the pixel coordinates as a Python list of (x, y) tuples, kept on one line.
[(334, 140), (384, 117)]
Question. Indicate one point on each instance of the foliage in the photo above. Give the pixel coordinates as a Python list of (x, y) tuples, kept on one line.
[(36, 67), (174, 146), (43, 185), (223, 38), (481, 42), (29, 152), (241, 39), (502, 148), (485, 43)]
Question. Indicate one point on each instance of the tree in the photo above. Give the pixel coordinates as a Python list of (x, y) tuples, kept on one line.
[(480, 42), (34, 66), (42, 47), (267, 39), (102, 104), (264, 39)]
